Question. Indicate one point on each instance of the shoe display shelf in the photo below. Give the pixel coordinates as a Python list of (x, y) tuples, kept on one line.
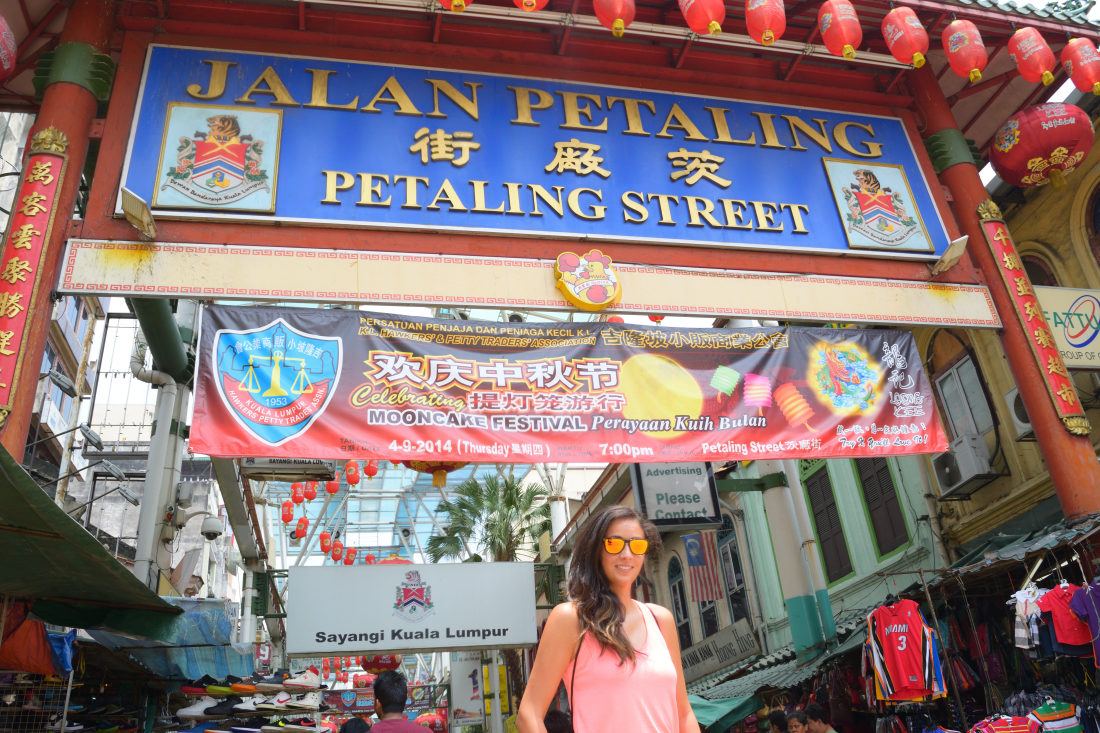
[(39, 703)]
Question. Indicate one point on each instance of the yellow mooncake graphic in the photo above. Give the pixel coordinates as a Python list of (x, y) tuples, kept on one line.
[(657, 388)]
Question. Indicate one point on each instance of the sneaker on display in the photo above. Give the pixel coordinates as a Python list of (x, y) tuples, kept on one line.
[(198, 687), (273, 683), (277, 701), (221, 688), (225, 707), (55, 723), (250, 703), (309, 679), (247, 686), (308, 701), (196, 709)]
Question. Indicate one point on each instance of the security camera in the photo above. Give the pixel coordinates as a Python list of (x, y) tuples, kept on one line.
[(211, 528)]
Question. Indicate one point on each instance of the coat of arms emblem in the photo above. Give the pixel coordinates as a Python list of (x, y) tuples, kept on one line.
[(219, 158), (876, 206), (413, 601), (221, 165)]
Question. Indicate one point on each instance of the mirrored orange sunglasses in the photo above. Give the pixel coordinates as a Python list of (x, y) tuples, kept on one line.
[(615, 545)]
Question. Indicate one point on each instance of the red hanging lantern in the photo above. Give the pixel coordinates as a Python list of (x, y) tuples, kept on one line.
[(288, 512), (325, 669), (1041, 144), (905, 36), (297, 494), (657, 319), (766, 20), (326, 542), (300, 529), (530, 5), (352, 478), (615, 319), (349, 556), (369, 560), (379, 663), (455, 6), (840, 29), (363, 680), (432, 721), (615, 15), (1032, 55), (337, 550), (332, 487), (371, 469), (705, 17), (310, 490), (965, 50), (9, 50), (438, 469), (1082, 63), (351, 467)]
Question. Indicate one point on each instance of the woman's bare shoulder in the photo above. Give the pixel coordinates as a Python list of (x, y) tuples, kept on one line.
[(662, 613)]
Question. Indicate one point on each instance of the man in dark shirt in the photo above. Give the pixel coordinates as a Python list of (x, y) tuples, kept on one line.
[(390, 691)]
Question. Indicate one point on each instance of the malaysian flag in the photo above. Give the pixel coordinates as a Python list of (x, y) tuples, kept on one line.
[(702, 557)]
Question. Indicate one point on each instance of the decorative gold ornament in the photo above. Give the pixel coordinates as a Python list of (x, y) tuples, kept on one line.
[(1077, 424), (50, 140), (4, 412), (987, 210)]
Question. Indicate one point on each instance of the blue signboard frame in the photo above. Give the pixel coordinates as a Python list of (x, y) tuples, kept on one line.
[(242, 136)]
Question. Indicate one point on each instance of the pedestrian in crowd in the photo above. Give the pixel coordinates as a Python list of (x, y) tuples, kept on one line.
[(624, 655), (796, 722), (355, 725), (777, 720), (817, 719), (390, 692)]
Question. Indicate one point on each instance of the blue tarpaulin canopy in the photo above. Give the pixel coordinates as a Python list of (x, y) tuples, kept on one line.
[(199, 642)]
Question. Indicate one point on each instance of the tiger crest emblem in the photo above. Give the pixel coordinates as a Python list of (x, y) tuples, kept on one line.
[(219, 165)]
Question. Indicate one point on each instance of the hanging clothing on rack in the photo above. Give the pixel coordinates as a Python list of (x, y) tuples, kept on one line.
[(1086, 604), (1026, 621), (904, 653), (1068, 628), (1005, 724), (1057, 717)]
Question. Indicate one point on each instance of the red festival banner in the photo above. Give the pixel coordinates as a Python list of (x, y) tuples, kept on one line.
[(350, 384)]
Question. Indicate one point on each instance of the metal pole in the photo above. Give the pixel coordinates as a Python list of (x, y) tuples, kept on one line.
[(66, 452), (950, 670)]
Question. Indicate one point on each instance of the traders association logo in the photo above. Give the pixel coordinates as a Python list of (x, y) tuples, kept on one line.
[(275, 380), (219, 157), (413, 601)]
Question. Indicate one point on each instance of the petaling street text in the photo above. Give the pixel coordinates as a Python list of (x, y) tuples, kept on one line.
[(531, 199)]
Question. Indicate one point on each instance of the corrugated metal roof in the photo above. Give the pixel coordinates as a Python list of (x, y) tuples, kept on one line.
[(783, 675)]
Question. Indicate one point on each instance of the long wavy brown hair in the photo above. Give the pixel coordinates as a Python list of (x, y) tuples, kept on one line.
[(598, 608)]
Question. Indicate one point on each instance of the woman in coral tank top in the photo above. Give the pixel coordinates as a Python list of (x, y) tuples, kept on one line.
[(625, 655)]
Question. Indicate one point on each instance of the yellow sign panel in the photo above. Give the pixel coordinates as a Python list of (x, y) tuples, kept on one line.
[(287, 274)]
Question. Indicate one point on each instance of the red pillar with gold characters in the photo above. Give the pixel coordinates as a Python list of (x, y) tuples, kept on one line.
[(1061, 427), (72, 79)]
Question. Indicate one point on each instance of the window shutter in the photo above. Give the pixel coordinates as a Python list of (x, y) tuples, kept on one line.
[(882, 503), (830, 533)]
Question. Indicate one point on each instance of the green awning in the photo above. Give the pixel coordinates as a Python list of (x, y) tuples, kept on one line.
[(72, 580), (721, 715)]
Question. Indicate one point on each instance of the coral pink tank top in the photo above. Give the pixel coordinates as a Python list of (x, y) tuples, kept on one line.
[(627, 697)]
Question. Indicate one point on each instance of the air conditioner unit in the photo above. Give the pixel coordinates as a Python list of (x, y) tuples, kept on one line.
[(1020, 418), (288, 469), (964, 469)]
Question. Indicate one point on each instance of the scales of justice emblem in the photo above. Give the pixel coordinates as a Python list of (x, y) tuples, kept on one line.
[(276, 380)]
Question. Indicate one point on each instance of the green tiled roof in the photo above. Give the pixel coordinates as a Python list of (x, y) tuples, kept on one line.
[(1075, 12)]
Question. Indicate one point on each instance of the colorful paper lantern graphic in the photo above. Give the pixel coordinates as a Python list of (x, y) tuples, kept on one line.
[(337, 550), (310, 490), (332, 487), (1082, 62), (287, 512), (840, 29), (1041, 144), (905, 36), (615, 15), (1034, 59), (766, 20), (326, 542), (379, 663), (965, 50)]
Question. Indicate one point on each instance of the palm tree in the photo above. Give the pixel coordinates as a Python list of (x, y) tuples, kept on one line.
[(490, 519), (493, 519)]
